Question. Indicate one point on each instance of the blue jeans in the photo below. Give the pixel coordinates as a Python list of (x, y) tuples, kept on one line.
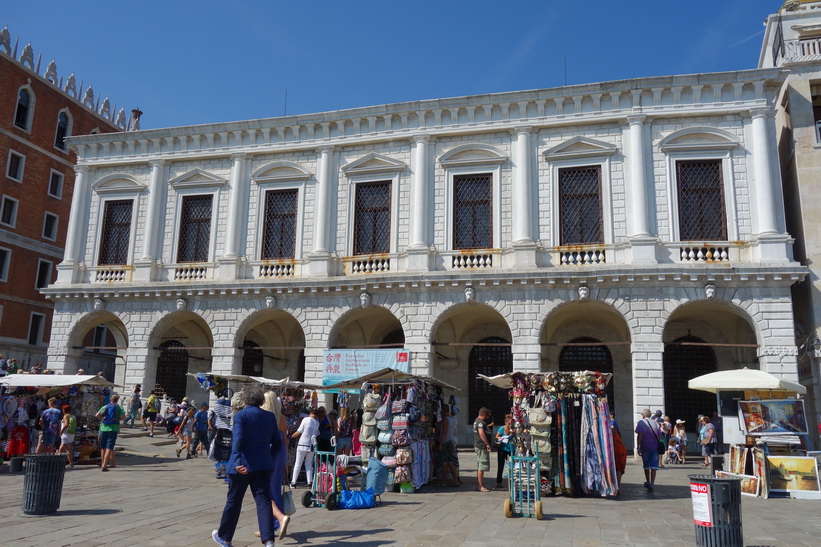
[(201, 436), (260, 482)]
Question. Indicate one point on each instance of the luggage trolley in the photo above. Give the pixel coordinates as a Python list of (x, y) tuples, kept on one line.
[(524, 499), (324, 490)]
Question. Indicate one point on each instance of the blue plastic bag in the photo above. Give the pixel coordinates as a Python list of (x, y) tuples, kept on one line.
[(357, 499)]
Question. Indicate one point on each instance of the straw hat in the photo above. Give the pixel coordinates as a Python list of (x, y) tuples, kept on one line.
[(679, 422)]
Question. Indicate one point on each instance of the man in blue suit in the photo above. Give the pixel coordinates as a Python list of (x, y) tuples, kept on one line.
[(255, 447)]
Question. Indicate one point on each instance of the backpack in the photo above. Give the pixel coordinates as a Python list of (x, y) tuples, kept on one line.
[(72, 425), (157, 403), (110, 414)]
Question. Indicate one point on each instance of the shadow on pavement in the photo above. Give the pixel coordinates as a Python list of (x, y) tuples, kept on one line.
[(341, 537)]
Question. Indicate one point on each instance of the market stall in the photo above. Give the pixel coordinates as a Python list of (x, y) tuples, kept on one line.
[(399, 413), (768, 442), (562, 419), (23, 397)]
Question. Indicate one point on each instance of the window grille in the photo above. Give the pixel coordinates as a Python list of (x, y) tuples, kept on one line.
[(62, 131), (580, 206), (592, 357), (490, 361), (21, 115), (681, 363), (252, 359), (279, 232), (701, 208), (195, 229), (172, 367), (372, 232), (116, 233), (472, 212)]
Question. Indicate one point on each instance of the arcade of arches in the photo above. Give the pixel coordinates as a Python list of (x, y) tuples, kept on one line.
[(466, 339)]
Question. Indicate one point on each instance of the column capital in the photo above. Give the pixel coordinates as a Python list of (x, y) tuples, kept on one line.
[(636, 119), (423, 138), (239, 156), (82, 168), (325, 148), (522, 129), (761, 112), (158, 162)]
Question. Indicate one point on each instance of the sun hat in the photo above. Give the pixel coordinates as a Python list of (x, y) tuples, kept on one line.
[(679, 422)]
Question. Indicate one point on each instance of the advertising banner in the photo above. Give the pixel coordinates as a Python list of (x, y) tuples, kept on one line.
[(340, 365)]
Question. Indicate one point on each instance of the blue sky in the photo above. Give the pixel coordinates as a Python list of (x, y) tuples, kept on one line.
[(193, 62)]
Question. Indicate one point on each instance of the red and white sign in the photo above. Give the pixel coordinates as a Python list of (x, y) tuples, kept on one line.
[(702, 508)]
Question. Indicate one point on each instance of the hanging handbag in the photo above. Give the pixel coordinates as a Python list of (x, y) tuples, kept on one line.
[(368, 418), (371, 401), (400, 438), (404, 456), (389, 461), (385, 437), (387, 449), (399, 406), (543, 445), (400, 421), (288, 505), (539, 417), (384, 425), (384, 411), (402, 474), (414, 414)]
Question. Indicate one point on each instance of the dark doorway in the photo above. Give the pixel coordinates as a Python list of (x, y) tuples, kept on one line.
[(172, 366), (251, 359), (681, 364), (592, 357), (490, 361)]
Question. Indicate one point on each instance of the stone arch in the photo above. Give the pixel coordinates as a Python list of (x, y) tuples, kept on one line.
[(191, 329), (280, 338), (457, 330), (367, 326), (88, 346), (592, 322)]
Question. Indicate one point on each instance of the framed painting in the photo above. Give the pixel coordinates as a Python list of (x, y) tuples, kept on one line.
[(793, 474), (750, 484), (773, 417)]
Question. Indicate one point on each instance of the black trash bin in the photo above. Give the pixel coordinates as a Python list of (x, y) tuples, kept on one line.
[(717, 510), (43, 483)]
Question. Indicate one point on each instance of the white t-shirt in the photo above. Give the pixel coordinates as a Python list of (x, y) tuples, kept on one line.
[(308, 429)]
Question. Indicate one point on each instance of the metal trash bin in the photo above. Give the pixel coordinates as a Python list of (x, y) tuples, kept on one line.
[(717, 510), (716, 463), (43, 483)]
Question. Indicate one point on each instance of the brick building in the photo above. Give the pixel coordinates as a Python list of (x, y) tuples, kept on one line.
[(38, 111)]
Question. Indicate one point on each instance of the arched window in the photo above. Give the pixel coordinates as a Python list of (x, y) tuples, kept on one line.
[(489, 360), (251, 359), (172, 367), (593, 357), (21, 114), (682, 362), (63, 131)]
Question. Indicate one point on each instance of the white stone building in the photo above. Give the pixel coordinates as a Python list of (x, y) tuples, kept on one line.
[(632, 225)]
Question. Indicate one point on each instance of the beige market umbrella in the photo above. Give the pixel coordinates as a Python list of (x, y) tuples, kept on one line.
[(744, 379)]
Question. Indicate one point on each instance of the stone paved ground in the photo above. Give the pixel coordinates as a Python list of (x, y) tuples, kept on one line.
[(152, 498)]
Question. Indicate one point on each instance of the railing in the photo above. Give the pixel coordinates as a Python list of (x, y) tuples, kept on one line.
[(191, 272), (802, 50), (369, 264), (283, 268), (704, 254), (109, 274), (472, 259), (582, 258)]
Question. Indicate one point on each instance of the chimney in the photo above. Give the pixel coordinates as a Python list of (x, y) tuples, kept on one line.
[(135, 119)]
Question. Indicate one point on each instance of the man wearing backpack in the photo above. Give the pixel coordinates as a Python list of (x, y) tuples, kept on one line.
[(111, 415)]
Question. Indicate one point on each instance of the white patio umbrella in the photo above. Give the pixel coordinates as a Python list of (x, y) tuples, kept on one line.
[(744, 379)]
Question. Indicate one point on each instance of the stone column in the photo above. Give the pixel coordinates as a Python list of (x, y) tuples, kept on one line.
[(523, 244), (154, 222), (643, 244), (773, 245), (648, 374), (419, 253), (69, 270), (320, 257), (236, 223)]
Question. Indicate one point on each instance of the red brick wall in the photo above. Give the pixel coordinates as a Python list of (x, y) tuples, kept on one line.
[(18, 296)]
